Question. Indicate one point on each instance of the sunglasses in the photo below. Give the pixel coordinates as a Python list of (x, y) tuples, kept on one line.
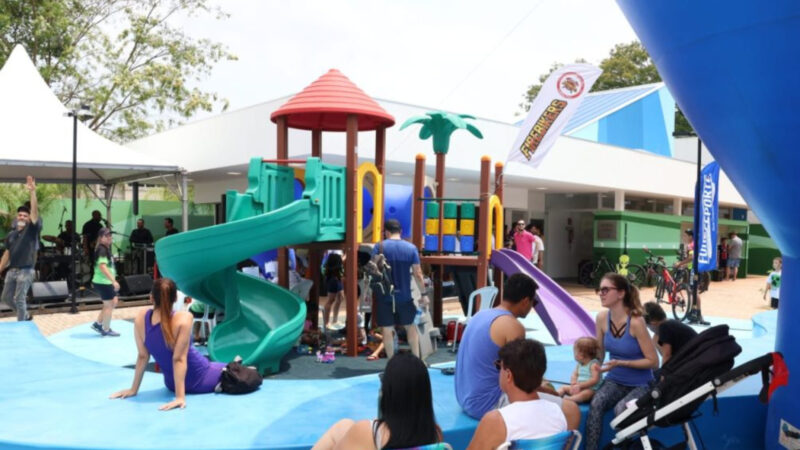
[(498, 365), (604, 290)]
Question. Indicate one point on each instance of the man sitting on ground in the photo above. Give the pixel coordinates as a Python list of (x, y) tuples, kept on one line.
[(476, 384), (668, 335), (522, 365)]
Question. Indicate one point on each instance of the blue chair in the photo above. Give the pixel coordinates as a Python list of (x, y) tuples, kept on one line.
[(568, 440), (487, 294), (436, 446)]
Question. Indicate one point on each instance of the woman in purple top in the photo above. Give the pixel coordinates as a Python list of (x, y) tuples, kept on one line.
[(622, 332), (170, 342)]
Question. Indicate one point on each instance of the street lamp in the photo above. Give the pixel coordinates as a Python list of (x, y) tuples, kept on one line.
[(82, 113)]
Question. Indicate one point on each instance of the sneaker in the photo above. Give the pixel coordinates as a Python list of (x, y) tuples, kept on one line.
[(109, 332), (29, 318), (701, 321), (97, 327), (692, 317)]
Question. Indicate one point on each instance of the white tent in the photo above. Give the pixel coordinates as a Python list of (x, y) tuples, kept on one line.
[(36, 138)]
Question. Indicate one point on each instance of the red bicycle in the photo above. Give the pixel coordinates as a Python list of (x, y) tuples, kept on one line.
[(678, 295)]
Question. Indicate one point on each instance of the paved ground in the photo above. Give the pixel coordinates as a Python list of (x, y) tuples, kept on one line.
[(739, 299)]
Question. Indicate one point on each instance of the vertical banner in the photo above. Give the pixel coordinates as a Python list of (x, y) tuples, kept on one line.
[(708, 217), (559, 98)]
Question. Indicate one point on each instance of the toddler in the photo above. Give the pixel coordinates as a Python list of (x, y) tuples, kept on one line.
[(586, 376)]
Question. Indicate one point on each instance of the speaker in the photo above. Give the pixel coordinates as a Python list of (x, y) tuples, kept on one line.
[(49, 291), (135, 284)]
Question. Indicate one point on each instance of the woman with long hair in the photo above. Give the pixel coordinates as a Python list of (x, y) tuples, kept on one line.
[(167, 336), (105, 283), (622, 332), (405, 412)]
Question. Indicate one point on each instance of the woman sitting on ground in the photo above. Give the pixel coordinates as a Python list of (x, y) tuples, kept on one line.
[(167, 336), (405, 411)]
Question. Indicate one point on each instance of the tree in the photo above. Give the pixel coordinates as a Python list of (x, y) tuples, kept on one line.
[(627, 65), (126, 59)]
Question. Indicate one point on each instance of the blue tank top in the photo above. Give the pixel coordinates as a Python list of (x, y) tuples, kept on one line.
[(201, 374), (477, 388), (625, 348)]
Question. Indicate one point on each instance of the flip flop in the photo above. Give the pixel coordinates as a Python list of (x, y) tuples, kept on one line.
[(373, 358)]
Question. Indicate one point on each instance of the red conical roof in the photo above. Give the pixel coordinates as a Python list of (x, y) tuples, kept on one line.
[(326, 103)]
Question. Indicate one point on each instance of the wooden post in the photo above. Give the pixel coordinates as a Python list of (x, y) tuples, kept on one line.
[(438, 293), (283, 153), (316, 143), (418, 207), (351, 246), (314, 256), (440, 194), (483, 226), (498, 191)]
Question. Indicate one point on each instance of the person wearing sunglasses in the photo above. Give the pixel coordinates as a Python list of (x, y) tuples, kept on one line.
[(476, 382), (622, 332), (521, 366)]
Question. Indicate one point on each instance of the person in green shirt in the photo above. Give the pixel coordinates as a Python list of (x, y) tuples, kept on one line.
[(105, 282)]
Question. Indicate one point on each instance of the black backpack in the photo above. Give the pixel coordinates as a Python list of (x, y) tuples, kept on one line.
[(705, 357), (239, 379), (379, 273)]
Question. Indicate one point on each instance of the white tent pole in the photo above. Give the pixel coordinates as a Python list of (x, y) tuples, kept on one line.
[(184, 201)]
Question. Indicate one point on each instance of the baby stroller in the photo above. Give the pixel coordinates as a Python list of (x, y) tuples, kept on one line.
[(702, 368)]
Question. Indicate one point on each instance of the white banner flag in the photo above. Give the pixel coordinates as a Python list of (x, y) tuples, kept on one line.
[(559, 98)]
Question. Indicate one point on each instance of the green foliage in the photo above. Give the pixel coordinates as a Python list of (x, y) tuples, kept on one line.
[(441, 125), (12, 195), (626, 65), (126, 59)]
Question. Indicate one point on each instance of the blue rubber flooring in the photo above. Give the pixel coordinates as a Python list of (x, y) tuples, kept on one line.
[(54, 395)]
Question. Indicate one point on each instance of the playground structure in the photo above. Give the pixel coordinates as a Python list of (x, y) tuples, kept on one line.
[(747, 118), (264, 320)]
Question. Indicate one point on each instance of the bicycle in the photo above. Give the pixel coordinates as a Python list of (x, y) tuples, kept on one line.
[(590, 274), (678, 295)]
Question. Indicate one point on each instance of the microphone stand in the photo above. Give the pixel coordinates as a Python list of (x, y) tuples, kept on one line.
[(61, 221)]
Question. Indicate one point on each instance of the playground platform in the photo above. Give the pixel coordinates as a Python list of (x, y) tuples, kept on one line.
[(55, 395)]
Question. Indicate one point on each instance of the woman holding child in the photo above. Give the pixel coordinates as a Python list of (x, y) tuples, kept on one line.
[(622, 332)]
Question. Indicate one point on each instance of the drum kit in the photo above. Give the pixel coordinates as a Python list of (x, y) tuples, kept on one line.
[(53, 262)]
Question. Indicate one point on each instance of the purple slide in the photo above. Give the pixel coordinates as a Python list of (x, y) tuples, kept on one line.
[(564, 318)]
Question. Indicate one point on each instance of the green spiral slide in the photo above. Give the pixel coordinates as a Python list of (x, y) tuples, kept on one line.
[(262, 320)]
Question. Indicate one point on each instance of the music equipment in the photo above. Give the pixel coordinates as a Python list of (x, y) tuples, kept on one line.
[(135, 284), (49, 291)]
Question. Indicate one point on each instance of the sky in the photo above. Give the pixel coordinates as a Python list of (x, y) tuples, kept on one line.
[(472, 57)]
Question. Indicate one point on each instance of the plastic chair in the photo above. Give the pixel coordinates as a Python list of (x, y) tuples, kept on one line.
[(302, 288), (208, 319), (567, 440), (487, 294)]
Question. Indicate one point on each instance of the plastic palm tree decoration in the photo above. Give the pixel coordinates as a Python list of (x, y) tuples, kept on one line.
[(441, 125)]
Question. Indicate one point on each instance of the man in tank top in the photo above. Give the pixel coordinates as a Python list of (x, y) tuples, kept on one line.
[(476, 383), (521, 367)]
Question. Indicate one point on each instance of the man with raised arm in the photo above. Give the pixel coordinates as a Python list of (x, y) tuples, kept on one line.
[(20, 255)]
